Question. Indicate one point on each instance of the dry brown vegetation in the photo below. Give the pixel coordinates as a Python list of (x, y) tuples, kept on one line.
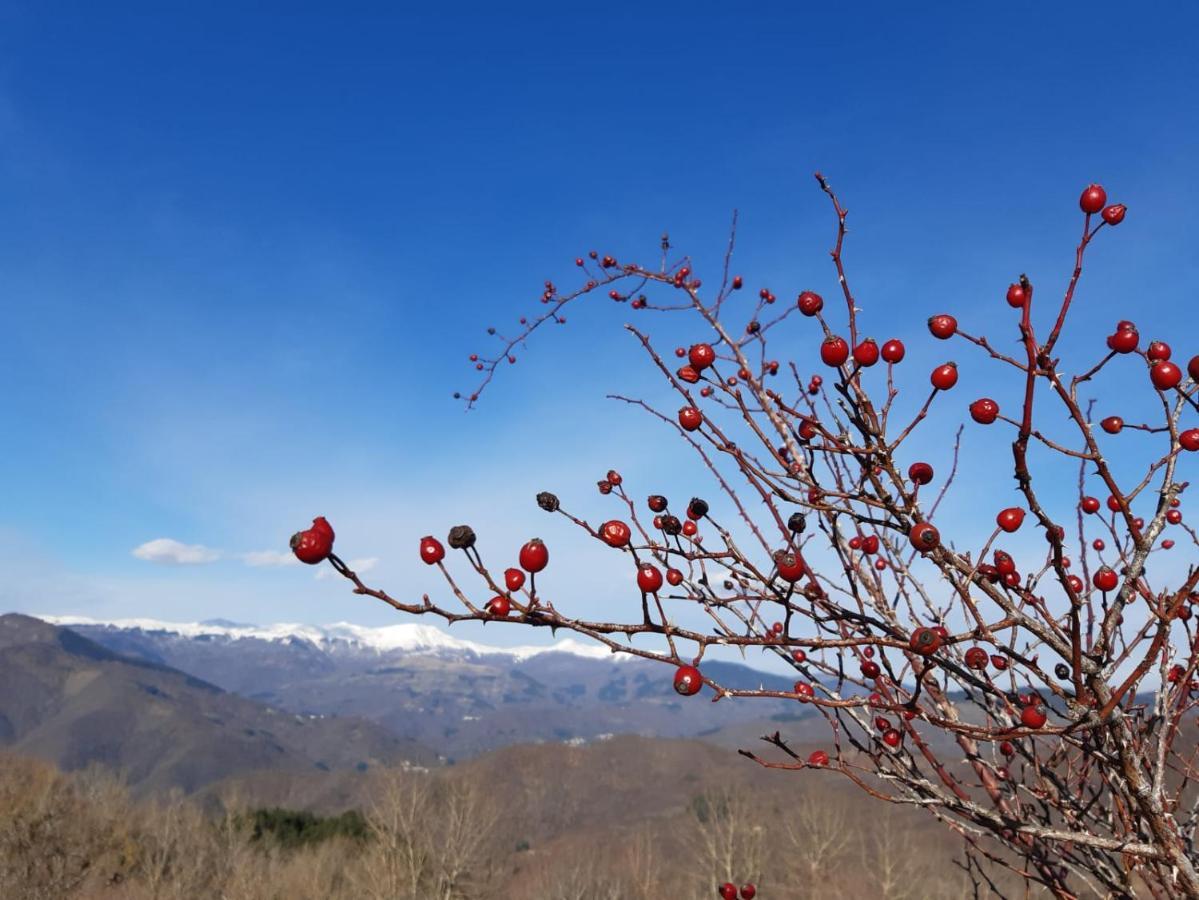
[(624, 819)]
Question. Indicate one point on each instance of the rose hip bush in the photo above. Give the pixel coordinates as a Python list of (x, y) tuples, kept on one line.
[(1036, 696)]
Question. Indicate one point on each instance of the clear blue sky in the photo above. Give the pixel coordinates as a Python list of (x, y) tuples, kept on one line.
[(245, 249)]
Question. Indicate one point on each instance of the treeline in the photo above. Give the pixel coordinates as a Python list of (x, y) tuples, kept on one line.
[(460, 834)]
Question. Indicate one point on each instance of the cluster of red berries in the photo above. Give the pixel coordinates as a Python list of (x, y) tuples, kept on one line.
[(835, 351), (728, 891)]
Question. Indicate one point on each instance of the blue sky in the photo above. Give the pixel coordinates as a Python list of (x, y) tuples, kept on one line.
[(245, 251)]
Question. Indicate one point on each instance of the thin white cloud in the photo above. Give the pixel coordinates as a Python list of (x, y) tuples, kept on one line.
[(263, 558), (357, 565), (167, 551)]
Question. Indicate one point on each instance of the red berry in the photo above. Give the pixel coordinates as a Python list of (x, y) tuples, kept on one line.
[(799, 656), (687, 680), (944, 377), (514, 579), (499, 606), (1015, 296), (1090, 505), (834, 351), (892, 738), (738, 281), (1165, 375), (431, 550), (728, 891), (999, 662), (674, 577), (976, 658), (615, 533), (1113, 502), (942, 326), (688, 374), (313, 545), (748, 892), (818, 758), (534, 556), (1124, 340), (984, 411), (809, 303), (1114, 214), (1189, 439), (871, 669), (893, 351), (657, 503), (1106, 579), (920, 472), (701, 356), (649, 578), (1193, 368), (790, 566), (1092, 199), (1112, 424), (1033, 716), (804, 691), (1004, 564), (925, 641), (1010, 519), (690, 418), (865, 354), (1158, 350)]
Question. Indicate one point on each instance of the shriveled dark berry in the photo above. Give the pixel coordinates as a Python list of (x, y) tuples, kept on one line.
[(547, 501), (461, 537), (797, 523)]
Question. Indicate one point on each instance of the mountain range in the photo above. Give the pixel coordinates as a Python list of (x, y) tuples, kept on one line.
[(422, 685), (73, 701)]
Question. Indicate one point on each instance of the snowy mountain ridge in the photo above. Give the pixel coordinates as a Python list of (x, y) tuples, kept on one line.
[(344, 636)]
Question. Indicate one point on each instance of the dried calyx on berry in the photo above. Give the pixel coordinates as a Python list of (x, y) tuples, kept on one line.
[(797, 523), (461, 537), (547, 501)]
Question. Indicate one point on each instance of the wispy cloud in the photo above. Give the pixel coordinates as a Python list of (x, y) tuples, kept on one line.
[(167, 551), (357, 565), (266, 558)]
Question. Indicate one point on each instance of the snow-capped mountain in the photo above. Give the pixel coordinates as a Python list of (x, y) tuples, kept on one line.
[(455, 696), (339, 637)]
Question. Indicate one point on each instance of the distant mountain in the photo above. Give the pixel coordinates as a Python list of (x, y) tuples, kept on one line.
[(458, 697), (66, 698)]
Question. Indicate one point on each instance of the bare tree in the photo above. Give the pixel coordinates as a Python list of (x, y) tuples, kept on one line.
[(1039, 662)]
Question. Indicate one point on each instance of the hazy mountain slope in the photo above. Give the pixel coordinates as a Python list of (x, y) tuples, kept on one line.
[(459, 697), (67, 699)]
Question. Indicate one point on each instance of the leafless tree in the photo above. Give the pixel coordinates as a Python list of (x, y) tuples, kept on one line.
[(1061, 672)]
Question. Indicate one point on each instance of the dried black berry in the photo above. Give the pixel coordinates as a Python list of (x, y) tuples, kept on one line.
[(547, 501), (461, 537), (697, 508), (797, 523), (671, 525)]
